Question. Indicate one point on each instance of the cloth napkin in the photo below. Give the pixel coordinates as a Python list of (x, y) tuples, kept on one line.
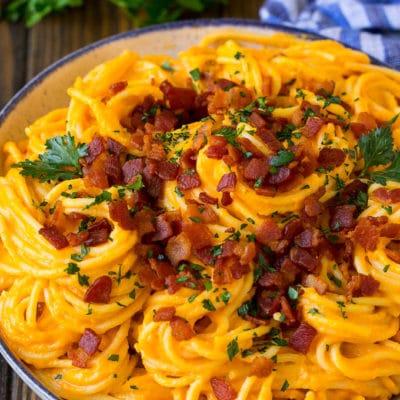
[(372, 26)]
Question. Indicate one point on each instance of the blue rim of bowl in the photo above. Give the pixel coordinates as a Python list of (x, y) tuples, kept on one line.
[(16, 364)]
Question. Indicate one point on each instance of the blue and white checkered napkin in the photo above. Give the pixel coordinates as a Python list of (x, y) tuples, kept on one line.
[(370, 25)]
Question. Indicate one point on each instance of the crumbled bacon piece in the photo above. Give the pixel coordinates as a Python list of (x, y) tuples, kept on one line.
[(95, 175), (181, 329), (119, 213), (78, 356), (117, 87), (268, 231), (270, 279), (163, 228), (178, 98), (342, 217), (304, 259), (269, 138), (198, 234), (361, 285), (300, 340), (216, 152), (227, 182), (268, 302), (317, 283), (312, 127), (226, 199), (205, 198), (222, 389), (261, 366), (386, 196), (312, 206), (76, 239), (366, 234), (255, 169), (164, 314), (167, 170), (89, 341), (95, 148), (287, 311), (309, 238), (178, 248), (331, 157), (390, 230), (115, 147), (282, 175), (257, 120), (99, 291), (99, 232), (131, 169), (54, 237), (202, 324), (165, 121), (188, 181)]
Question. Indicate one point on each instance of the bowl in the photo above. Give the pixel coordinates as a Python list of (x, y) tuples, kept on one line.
[(48, 91)]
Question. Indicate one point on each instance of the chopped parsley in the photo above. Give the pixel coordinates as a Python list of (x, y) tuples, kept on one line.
[(232, 349)]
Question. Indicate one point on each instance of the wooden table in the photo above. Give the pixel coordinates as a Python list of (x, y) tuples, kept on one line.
[(26, 52)]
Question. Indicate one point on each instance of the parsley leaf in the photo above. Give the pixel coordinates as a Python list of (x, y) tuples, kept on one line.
[(232, 349), (282, 158), (392, 172), (60, 161)]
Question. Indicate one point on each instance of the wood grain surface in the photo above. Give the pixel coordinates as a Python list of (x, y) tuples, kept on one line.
[(26, 52)]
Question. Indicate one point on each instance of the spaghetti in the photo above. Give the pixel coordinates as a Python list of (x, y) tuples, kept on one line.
[(223, 225)]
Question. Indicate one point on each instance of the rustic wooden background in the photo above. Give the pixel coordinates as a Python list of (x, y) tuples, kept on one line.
[(26, 52)]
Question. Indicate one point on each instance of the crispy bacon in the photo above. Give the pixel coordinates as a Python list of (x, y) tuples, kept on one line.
[(287, 311), (99, 232), (227, 182), (178, 248), (202, 324), (89, 341), (119, 213), (117, 87), (282, 175), (312, 127), (198, 234), (76, 239), (178, 98), (315, 282), (361, 285), (164, 314), (269, 138), (222, 389), (163, 228), (216, 152), (115, 147), (342, 217), (99, 291), (206, 198), (366, 234), (95, 148), (181, 329), (390, 230), (309, 238), (300, 340), (165, 121), (54, 237), (304, 259), (188, 181), (226, 199), (256, 168), (167, 170), (131, 169), (331, 157), (78, 356), (95, 174), (268, 231)]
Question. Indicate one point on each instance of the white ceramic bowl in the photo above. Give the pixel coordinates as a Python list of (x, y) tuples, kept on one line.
[(48, 91)]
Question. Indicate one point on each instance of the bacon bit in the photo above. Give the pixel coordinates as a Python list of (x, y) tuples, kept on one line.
[(163, 228), (331, 157), (167, 170), (222, 274), (95, 174), (368, 120), (113, 170), (342, 217), (270, 279), (188, 181), (386, 196), (227, 182), (157, 152), (261, 366), (163, 269), (289, 270), (117, 87), (143, 222), (149, 278), (282, 175), (366, 234), (98, 232), (181, 329), (115, 147), (205, 198), (188, 159), (119, 213), (390, 230), (268, 302), (203, 213), (354, 188), (248, 253), (216, 152), (131, 169), (54, 237), (309, 238), (301, 338), (178, 248), (361, 285), (238, 269), (291, 229), (268, 231), (95, 148), (358, 129), (312, 206), (165, 121), (394, 195), (294, 180), (76, 239), (198, 234), (99, 291), (178, 98), (172, 284), (78, 356), (312, 127), (202, 324), (164, 314), (222, 389), (236, 98), (315, 282), (269, 138), (377, 221), (226, 199), (225, 84), (287, 311), (89, 341), (255, 169), (257, 120), (305, 105), (394, 255), (304, 259), (204, 255)]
